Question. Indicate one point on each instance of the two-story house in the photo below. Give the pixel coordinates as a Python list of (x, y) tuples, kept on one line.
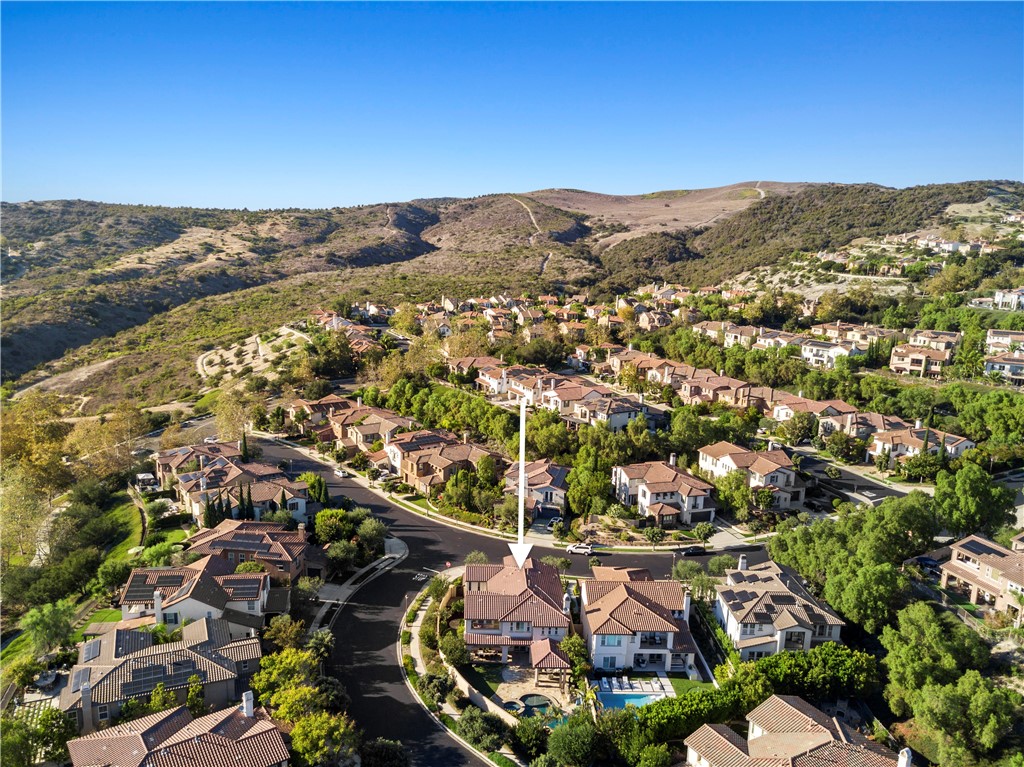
[(787, 731), (920, 361), (120, 665), (1010, 365), (614, 412), (992, 574), (664, 492), (509, 608), (428, 469), (824, 354), (788, 405), (401, 446), (546, 485), (902, 444), (999, 341), (765, 470), (765, 610), (631, 620), (860, 425), (285, 554)]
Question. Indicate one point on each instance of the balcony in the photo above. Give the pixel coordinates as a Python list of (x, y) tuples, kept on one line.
[(654, 641)]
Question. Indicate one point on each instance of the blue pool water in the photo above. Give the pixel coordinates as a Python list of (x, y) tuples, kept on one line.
[(622, 699)]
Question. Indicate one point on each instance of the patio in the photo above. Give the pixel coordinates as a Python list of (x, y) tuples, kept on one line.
[(514, 680)]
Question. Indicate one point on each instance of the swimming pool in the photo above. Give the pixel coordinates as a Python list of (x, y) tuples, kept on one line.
[(623, 699)]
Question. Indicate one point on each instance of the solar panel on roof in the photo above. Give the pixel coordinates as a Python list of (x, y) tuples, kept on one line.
[(91, 650), (80, 677), (169, 580)]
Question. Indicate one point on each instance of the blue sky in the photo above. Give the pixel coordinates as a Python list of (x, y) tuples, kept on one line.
[(317, 105)]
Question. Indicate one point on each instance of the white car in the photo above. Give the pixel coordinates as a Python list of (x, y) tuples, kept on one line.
[(210, 440), (551, 525), (579, 548), (341, 473)]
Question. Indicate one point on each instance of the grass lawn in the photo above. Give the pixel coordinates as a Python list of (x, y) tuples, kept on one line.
[(421, 502), (485, 678), (103, 615), (175, 536), (127, 515), (19, 649)]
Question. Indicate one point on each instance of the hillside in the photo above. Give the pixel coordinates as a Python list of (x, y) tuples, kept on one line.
[(142, 289)]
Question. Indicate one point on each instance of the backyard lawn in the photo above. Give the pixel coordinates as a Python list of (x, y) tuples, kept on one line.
[(680, 683), (485, 678), (102, 615), (129, 521)]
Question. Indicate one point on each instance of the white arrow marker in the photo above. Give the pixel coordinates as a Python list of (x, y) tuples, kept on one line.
[(520, 551)]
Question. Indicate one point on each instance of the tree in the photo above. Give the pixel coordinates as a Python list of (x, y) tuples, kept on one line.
[(195, 701), (575, 650), (801, 426), (293, 703), (324, 738), (655, 756), (384, 753), (21, 511), (371, 534), (161, 699), (972, 712), (702, 586), (734, 493), (574, 742), (250, 566), (307, 589), (17, 743), (113, 573), (684, 570), (21, 673), (703, 531), (655, 535), (719, 564), (531, 735), (49, 625), (454, 650), (283, 670), (562, 564), (343, 555), (927, 647), (869, 595), (321, 644), (477, 558), (970, 502), (285, 632)]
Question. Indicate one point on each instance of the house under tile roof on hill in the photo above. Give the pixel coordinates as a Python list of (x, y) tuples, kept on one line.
[(120, 665), (233, 737), (511, 607), (787, 731)]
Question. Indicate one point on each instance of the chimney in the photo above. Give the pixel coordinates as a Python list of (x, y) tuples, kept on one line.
[(905, 758), (302, 530), (359, 401), (800, 394), (672, 459), (158, 606), (630, 347), (86, 708), (465, 437), (742, 564), (247, 704), (917, 424)]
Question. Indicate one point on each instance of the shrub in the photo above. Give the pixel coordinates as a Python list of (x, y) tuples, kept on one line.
[(501, 759), (454, 649), (406, 637), (531, 737), (484, 730), (428, 635), (457, 700)]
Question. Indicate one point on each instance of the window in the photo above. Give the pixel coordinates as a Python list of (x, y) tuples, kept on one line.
[(483, 625), (231, 556), (746, 629), (609, 661), (251, 606), (610, 640), (520, 626), (102, 713), (245, 665)]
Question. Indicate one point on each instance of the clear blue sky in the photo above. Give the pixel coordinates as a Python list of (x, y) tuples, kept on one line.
[(316, 105)]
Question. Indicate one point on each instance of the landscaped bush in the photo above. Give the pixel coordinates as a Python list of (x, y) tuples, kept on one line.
[(454, 649), (486, 731), (406, 637), (501, 759), (531, 737), (428, 635)]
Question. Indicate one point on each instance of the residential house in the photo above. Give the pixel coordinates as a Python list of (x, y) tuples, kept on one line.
[(510, 608), (563, 397), (632, 621), (1009, 300), (776, 339), (764, 610), (860, 425), (652, 320), (787, 406), (401, 446), (207, 588), (741, 335), (765, 470), (240, 735), (614, 412), (943, 340), (664, 492), (572, 330), (787, 731), (546, 484), (999, 341), (284, 553), (428, 469), (921, 361), (121, 665), (713, 329), (824, 354), (901, 444), (992, 574), (314, 411), (1010, 365), (170, 463), (668, 373)]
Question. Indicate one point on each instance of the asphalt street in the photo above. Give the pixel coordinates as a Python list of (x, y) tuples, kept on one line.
[(367, 628)]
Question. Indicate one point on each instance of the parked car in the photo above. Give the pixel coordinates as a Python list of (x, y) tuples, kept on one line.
[(341, 473), (212, 440), (580, 548), (927, 562), (692, 551), (551, 525)]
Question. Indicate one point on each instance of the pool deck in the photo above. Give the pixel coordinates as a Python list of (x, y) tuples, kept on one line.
[(635, 686)]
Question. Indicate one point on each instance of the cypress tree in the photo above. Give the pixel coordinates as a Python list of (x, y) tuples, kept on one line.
[(249, 507), (208, 513), (245, 448), (283, 502)]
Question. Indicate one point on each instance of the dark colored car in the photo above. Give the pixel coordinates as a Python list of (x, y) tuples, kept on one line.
[(692, 551), (927, 562)]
